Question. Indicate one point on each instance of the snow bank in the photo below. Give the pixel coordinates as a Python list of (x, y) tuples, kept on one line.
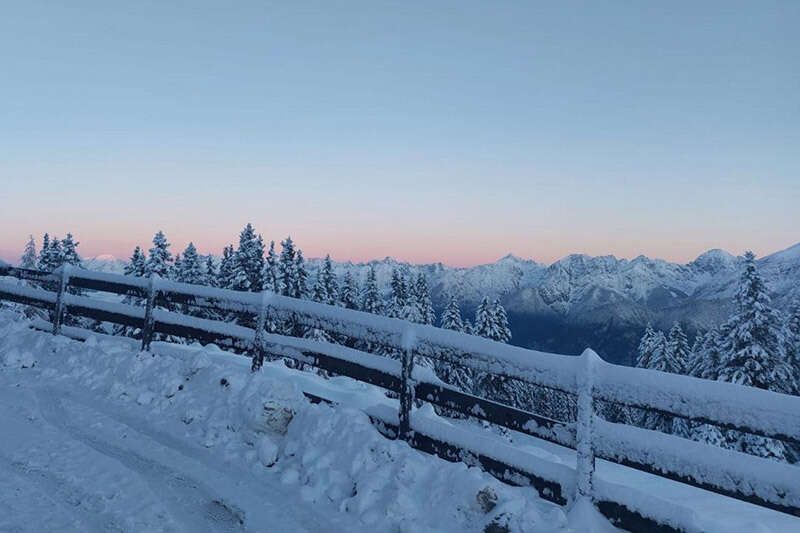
[(330, 455)]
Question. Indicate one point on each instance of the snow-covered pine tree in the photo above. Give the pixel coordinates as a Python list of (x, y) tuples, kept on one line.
[(422, 300), (451, 316), (399, 296), (56, 254), (662, 358), (645, 350), (503, 332), (248, 267), (271, 270), (225, 273), (371, 300), (287, 268), (209, 271), (69, 253), (191, 268), (793, 327), (136, 265), (326, 288), (348, 296), (679, 348), (28, 259), (44, 262), (455, 374), (176, 267), (159, 260), (301, 285), (705, 355), (483, 326), (753, 353)]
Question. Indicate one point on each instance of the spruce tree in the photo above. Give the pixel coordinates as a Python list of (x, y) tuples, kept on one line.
[(56, 253), (462, 377), (679, 349), (422, 301), (69, 253), (371, 300), (225, 273), (645, 350), (753, 351), (248, 269), (326, 288), (483, 326), (287, 268), (348, 296), (160, 259), (793, 350), (190, 269), (502, 331), (272, 273), (210, 272), (399, 296), (451, 316), (136, 265), (44, 255), (301, 286), (28, 259)]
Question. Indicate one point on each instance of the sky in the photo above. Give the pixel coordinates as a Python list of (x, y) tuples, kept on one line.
[(428, 131)]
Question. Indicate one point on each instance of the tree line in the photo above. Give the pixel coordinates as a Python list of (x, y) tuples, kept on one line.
[(757, 346)]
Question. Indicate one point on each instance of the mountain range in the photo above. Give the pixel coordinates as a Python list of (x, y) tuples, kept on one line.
[(579, 301)]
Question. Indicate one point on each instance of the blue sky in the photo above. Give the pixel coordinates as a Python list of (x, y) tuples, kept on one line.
[(452, 131)]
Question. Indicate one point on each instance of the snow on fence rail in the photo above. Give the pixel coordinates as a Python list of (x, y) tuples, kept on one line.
[(727, 472)]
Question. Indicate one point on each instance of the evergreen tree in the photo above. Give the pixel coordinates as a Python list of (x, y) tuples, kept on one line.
[(56, 254), (646, 345), (399, 296), (662, 358), (45, 261), (176, 267), (793, 351), (451, 317), (754, 348), (349, 293), (753, 353), (272, 272), (326, 289), (248, 266), (210, 272), (225, 274), (160, 259), (706, 355), (371, 300), (28, 259), (287, 268), (422, 301), (136, 265), (301, 286), (678, 347), (190, 269), (503, 333), (483, 326), (454, 373), (69, 253)]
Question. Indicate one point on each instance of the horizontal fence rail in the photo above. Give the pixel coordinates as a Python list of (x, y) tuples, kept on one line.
[(730, 473)]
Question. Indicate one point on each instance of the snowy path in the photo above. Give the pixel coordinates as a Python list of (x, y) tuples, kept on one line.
[(69, 462)]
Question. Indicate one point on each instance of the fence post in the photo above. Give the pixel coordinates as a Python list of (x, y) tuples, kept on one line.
[(149, 323), (258, 341), (58, 312), (585, 461), (406, 384)]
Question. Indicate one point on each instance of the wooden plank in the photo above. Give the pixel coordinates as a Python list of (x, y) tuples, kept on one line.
[(497, 413)]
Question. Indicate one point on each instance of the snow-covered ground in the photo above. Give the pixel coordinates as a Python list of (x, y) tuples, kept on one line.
[(97, 436)]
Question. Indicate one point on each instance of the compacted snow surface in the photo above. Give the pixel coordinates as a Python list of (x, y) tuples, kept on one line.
[(97, 436)]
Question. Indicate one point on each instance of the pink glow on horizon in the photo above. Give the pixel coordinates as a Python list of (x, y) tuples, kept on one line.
[(402, 247)]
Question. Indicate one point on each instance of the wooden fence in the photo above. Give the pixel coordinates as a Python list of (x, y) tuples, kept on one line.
[(587, 378)]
